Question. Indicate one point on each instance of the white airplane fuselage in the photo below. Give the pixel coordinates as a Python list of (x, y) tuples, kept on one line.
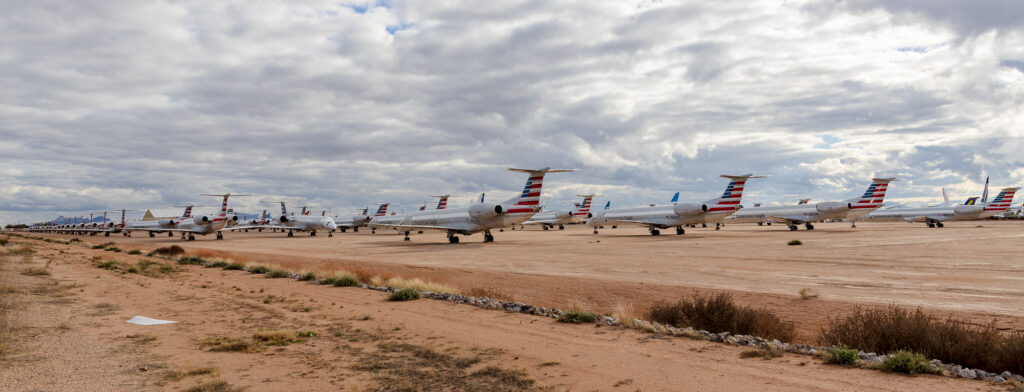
[(458, 220), (662, 217)]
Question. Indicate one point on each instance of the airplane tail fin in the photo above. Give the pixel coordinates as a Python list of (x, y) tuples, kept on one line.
[(366, 210), (733, 194), (529, 200), (443, 202), (1002, 201), (608, 205), (675, 198), (945, 197), (874, 196), (803, 201), (382, 210), (584, 208), (187, 214), (984, 195), (971, 201)]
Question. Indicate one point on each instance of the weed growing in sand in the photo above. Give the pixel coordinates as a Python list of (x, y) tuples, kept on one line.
[(769, 352), (278, 273), (4, 240), (103, 245), (113, 249), (577, 316), (277, 337), (892, 328), (135, 252), (217, 264), (345, 280), (307, 334), (908, 362), (794, 242), (307, 276), (178, 375), (406, 294), (719, 313), (842, 355), (234, 267), (231, 345), (193, 260), (169, 251), (258, 269), (215, 386), (35, 271)]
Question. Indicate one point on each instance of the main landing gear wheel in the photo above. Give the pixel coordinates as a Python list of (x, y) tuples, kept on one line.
[(151, 234), (330, 234), (938, 224), (191, 237), (290, 233), (406, 236), (488, 237), (792, 227), (354, 230), (655, 232), (312, 233), (930, 224), (718, 226), (680, 231), (545, 227), (453, 239), (170, 234), (595, 231), (220, 235), (561, 227), (704, 225), (373, 231), (809, 226), (107, 234)]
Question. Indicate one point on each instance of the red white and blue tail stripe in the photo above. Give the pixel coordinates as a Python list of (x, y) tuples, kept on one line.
[(584, 208), (1002, 201), (874, 196), (730, 200), (529, 200), (382, 210)]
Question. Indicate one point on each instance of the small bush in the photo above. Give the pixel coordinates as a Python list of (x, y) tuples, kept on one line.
[(215, 386), (231, 345), (349, 280), (259, 269), (169, 251), (278, 273), (108, 265), (904, 361), (113, 249), (75, 240), (718, 313), (307, 334), (794, 242), (307, 276), (577, 316), (151, 267), (100, 246), (772, 351), (806, 294), (217, 264), (277, 337), (407, 294), (842, 355), (35, 271), (135, 252), (191, 260), (234, 267)]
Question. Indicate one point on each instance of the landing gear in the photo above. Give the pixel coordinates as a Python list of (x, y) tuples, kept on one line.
[(545, 227), (342, 230), (809, 226), (488, 237), (760, 223), (595, 231), (718, 226), (680, 231), (171, 234), (561, 227), (191, 237), (406, 236), (930, 224), (220, 235), (452, 238), (655, 232), (107, 234), (704, 225), (312, 233), (373, 231), (290, 233), (938, 224), (152, 234), (792, 227), (355, 230), (260, 230), (330, 234), (125, 234)]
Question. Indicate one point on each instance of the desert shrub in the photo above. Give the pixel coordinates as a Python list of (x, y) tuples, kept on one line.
[(277, 337), (193, 260), (4, 240), (769, 352), (348, 280), (230, 345), (259, 269), (135, 252), (278, 273), (719, 313), (217, 264), (892, 328), (234, 266), (169, 251), (309, 275), (101, 246), (903, 361), (842, 355), (406, 294), (108, 265), (214, 386), (75, 240), (794, 242), (151, 267), (113, 249), (307, 334), (576, 316)]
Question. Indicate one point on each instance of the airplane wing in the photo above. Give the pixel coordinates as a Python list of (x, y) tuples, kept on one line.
[(233, 228), (926, 218), (790, 219)]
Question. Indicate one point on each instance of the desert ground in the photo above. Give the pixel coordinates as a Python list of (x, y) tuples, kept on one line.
[(69, 333)]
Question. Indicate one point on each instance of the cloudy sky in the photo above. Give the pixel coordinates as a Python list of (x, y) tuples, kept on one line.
[(129, 104)]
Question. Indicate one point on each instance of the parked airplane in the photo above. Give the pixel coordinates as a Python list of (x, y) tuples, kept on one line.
[(807, 214), (549, 219), (678, 214), (478, 217), (353, 222), (187, 224), (935, 216), (301, 222)]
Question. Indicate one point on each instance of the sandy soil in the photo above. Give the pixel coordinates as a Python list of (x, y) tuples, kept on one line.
[(962, 269), (70, 335)]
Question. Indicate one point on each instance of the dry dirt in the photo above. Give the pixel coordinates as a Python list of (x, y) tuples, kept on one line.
[(70, 333)]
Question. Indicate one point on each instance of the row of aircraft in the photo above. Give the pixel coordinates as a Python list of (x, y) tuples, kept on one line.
[(525, 209)]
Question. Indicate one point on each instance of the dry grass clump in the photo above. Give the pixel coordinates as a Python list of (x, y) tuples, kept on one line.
[(415, 283), (407, 367), (893, 328), (169, 251), (231, 345), (806, 294), (35, 271), (215, 386), (278, 273), (339, 278), (719, 313), (277, 337), (178, 375), (18, 250)]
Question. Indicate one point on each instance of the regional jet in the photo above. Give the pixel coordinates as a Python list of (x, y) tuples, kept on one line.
[(679, 214), (478, 217), (807, 214), (187, 224), (303, 222), (549, 219), (935, 216)]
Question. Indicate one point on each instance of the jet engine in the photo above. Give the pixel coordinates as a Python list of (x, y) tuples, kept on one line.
[(689, 209), (484, 210), (962, 210), (283, 219), (201, 219), (833, 206), (166, 222), (563, 214)]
